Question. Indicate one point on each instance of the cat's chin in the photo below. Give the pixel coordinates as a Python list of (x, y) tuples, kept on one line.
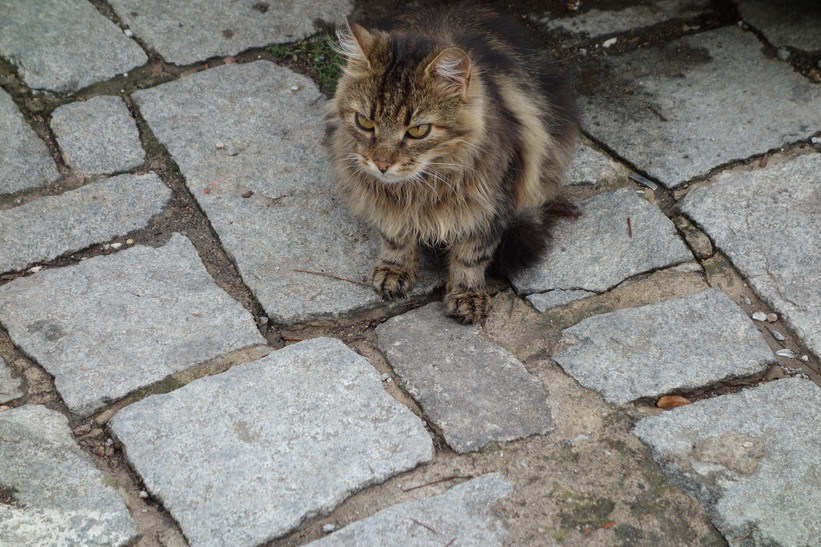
[(389, 178)]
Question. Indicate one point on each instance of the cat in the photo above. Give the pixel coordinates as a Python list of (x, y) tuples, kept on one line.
[(448, 131)]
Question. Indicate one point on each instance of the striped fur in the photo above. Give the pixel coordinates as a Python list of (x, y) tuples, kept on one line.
[(499, 130)]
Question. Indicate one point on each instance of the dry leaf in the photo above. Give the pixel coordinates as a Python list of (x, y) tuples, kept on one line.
[(672, 401)]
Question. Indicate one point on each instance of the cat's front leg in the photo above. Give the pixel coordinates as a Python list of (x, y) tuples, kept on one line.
[(394, 275), (466, 299)]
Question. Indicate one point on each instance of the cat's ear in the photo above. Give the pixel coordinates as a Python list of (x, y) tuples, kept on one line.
[(355, 44), (452, 68)]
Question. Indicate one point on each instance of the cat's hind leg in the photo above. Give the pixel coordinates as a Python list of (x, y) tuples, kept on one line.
[(466, 299), (394, 274)]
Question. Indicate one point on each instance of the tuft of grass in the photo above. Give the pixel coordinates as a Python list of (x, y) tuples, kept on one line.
[(316, 57)]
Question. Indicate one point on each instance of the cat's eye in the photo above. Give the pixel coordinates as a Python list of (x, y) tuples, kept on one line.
[(420, 131), (363, 123)]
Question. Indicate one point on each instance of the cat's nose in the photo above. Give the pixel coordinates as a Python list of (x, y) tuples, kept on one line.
[(382, 165)]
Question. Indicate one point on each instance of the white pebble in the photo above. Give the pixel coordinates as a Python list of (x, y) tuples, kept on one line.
[(760, 316), (778, 336), (748, 301), (783, 53), (143, 494), (786, 353), (746, 444), (816, 140), (610, 42), (328, 528), (128, 33), (35, 269), (219, 145), (116, 245), (805, 358)]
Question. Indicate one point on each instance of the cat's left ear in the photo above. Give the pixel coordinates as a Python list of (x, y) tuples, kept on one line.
[(452, 68)]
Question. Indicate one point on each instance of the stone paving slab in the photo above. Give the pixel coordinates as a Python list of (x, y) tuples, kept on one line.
[(64, 45), (11, 386), (243, 457), (462, 516), (596, 23), (57, 495), (795, 23), (98, 135), (113, 324), (673, 346), (598, 251), (558, 297), (25, 161), (247, 138), (51, 226), (768, 222), (194, 30), (680, 109), (474, 391), (589, 166), (751, 458)]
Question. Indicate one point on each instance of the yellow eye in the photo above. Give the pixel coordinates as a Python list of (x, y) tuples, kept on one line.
[(420, 131), (363, 123)]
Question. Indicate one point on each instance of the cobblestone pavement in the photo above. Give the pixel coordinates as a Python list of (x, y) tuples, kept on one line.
[(173, 370)]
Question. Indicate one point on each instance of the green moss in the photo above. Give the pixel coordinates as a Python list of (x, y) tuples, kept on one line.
[(316, 57), (587, 513)]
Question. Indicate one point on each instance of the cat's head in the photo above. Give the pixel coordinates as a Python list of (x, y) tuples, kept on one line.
[(406, 106)]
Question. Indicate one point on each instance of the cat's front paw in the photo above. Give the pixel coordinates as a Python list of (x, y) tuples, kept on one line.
[(467, 307), (392, 282)]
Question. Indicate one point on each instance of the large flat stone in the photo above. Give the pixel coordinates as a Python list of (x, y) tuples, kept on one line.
[(98, 135), (51, 492), (10, 385), (113, 324), (269, 123), (64, 45), (768, 222), (795, 23), (474, 391), (51, 226), (186, 32), (751, 458), (595, 23), (589, 166), (25, 161), (598, 251), (462, 516), (243, 457), (666, 109), (676, 345)]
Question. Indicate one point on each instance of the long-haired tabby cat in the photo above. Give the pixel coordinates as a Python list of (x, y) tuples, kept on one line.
[(448, 131)]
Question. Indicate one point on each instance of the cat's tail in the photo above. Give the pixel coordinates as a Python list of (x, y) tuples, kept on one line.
[(529, 234)]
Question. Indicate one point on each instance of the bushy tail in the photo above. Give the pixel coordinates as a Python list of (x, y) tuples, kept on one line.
[(529, 234)]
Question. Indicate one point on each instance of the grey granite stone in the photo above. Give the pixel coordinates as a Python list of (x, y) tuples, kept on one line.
[(247, 138), (676, 345), (52, 493), (243, 457), (186, 32), (558, 297), (51, 226), (685, 107), (113, 324), (64, 45), (596, 23), (11, 387), (474, 391), (795, 23), (25, 161), (751, 458), (462, 516), (589, 166), (599, 250), (768, 222), (98, 135)]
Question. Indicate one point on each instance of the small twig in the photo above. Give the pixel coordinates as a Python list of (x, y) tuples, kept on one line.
[(445, 479), (745, 536), (290, 339), (655, 111), (423, 525), (629, 228), (449, 543), (331, 276)]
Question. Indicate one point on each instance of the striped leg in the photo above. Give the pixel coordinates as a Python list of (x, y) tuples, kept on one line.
[(394, 275), (465, 298)]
